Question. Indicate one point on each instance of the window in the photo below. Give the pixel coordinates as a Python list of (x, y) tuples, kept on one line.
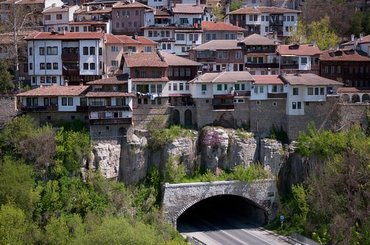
[(316, 91), (168, 46), (92, 50), (238, 55), (294, 105), (92, 66), (55, 66), (47, 17), (114, 63), (261, 89), (169, 86), (42, 79), (184, 21), (292, 18), (30, 51), (59, 16), (299, 105), (48, 66), (48, 79), (322, 91), (42, 66), (295, 91), (303, 60), (310, 91), (339, 69), (86, 66), (114, 49), (64, 101), (219, 87), (159, 89), (180, 36), (54, 79), (204, 87), (31, 66), (222, 55), (42, 51), (150, 33), (52, 50), (85, 51), (175, 87)]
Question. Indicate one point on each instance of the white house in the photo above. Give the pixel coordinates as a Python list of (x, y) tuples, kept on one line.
[(68, 57), (57, 18)]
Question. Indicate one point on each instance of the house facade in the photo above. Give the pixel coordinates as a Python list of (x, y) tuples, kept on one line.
[(64, 58), (221, 31), (58, 18), (265, 20)]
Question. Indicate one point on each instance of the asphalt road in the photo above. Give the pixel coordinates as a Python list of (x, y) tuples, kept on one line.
[(228, 231)]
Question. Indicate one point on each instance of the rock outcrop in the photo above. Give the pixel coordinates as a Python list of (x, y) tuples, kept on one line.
[(272, 155), (107, 158), (226, 148)]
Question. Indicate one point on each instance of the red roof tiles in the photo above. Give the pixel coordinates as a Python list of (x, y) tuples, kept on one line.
[(267, 79), (259, 10), (220, 26), (64, 36), (298, 50), (55, 91), (149, 59), (343, 55)]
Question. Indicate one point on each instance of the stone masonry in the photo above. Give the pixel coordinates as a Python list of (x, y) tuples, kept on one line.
[(177, 198)]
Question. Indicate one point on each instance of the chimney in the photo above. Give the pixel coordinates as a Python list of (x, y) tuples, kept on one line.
[(352, 38), (65, 82), (269, 71), (361, 36)]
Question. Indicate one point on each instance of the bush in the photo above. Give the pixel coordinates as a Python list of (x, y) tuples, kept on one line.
[(278, 134), (174, 171)]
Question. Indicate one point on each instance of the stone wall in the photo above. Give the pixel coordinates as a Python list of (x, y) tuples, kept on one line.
[(143, 114), (177, 198), (7, 109), (55, 118), (264, 114), (353, 113)]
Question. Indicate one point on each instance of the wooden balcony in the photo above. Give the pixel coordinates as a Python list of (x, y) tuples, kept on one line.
[(107, 121), (223, 107), (71, 72), (70, 57), (276, 95), (39, 108), (109, 108), (289, 66)]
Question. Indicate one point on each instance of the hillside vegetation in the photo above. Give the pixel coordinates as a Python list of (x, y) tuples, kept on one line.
[(333, 205), (44, 200)]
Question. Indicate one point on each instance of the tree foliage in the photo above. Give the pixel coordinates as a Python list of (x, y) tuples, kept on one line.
[(6, 79), (236, 4), (332, 206)]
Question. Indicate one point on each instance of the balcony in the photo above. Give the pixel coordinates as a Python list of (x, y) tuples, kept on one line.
[(289, 66), (70, 57), (262, 65), (109, 108), (223, 107), (71, 72), (242, 93), (106, 121), (276, 95), (39, 108), (276, 22)]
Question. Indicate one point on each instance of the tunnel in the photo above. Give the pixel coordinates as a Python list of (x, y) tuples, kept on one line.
[(222, 212)]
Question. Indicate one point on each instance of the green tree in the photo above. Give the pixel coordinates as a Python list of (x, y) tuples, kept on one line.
[(358, 23), (218, 11), (174, 171), (236, 4), (6, 79), (300, 34), (13, 225), (57, 231), (322, 33), (17, 185)]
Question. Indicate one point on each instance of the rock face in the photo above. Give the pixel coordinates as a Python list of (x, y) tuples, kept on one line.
[(134, 160), (212, 148), (272, 155), (185, 148), (107, 158), (224, 148)]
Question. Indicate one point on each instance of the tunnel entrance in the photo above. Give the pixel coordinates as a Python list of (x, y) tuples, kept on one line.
[(221, 212)]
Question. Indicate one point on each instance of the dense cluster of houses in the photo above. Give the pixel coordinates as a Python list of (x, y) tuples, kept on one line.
[(117, 64)]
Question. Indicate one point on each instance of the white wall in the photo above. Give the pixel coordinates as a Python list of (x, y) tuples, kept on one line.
[(292, 24), (304, 67), (157, 3), (196, 91), (76, 102), (297, 99), (36, 58), (90, 58), (176, 18)]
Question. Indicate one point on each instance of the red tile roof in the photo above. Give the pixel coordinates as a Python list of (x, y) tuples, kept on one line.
[(259, 10), (343, 55), (123, 39), (75, 23), (188, 9), (55, 91), (160, 79), (256, 39), (65, 36), (123, 5), (220, 26), (298, 50), (353, 90), (108, 94), (174, 60), (308, 79), (149, 59), (61, 9), (119, 79), (267, 79)]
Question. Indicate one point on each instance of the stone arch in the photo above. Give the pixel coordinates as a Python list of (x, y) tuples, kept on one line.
[(265, 210), (175, 117), (345, 98), (188, 115), (356, 98), (365, 98)]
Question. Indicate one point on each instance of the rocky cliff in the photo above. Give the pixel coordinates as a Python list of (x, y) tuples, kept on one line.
[(212, 148)]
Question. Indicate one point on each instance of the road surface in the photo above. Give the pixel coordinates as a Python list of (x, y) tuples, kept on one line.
[(229, 232)]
